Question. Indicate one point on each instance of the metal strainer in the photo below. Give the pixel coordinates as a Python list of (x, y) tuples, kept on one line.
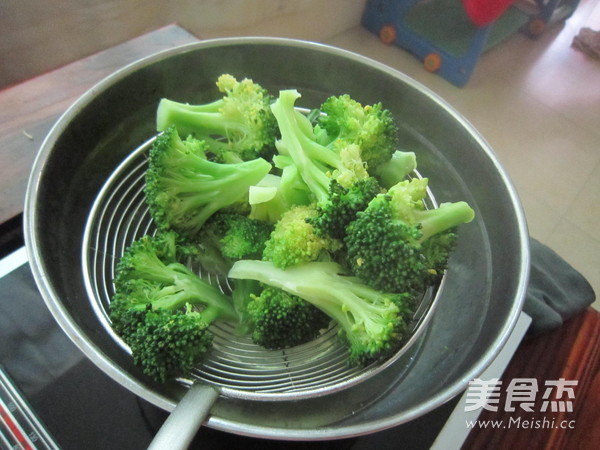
[(236, 366)]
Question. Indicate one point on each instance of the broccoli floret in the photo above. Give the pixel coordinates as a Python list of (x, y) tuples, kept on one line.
[(275, 194), (227, 237), (245, 237), (317, 164), (371, 127), (396, 169), (279, 320), (334, 215), (183, 188), (238, 236), (146, 257), (351, 168), (240, 124), (396, 245), (162, 309), (372, 323), (163, 343), (294, 241)]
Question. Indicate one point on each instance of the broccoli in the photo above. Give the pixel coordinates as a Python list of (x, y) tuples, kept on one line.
[(146, 257), (372, 323), (228, 236), (371, 127), (334, 215), (275, 194), (351, 168), (294, 241), (396, 245), (317, 164), (242, 292), (236, 236), (240, 124), (396, 169), (162, 309), (280, 320), (183, 188), (210, 257)]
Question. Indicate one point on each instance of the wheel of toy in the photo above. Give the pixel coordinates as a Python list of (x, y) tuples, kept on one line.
[(432, 62), (387, 34), (536, 27)]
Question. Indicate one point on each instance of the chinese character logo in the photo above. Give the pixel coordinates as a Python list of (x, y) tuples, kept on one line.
[(521, 393), (563, 388), (483, 394)]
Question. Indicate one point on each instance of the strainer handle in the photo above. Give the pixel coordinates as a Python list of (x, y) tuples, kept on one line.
[(181, 426)]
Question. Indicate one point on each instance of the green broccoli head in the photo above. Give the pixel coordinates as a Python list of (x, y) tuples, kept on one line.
[(281, 320), (229, 236), (383, 327), (372, 323), (371, 127), (385, 252), (168, 344), (183, 188), (334, 215), (294, 240), (162, 309), (165, 341), (238, 236), (396, 245), (240, 123), (316, 163)]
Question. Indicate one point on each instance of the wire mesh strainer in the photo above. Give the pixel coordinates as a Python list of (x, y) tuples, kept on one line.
[(235, 366)]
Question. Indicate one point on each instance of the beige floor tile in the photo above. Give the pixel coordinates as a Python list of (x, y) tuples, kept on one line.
[(585, 209), (545, 154), (568, 81)]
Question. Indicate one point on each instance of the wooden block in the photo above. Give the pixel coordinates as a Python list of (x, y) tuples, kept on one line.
[(571, 352)]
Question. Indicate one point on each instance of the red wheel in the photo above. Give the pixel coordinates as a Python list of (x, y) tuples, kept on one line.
[(387, 34), (432, 62)]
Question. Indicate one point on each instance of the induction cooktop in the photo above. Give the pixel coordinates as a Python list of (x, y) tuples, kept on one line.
[(53, 397)]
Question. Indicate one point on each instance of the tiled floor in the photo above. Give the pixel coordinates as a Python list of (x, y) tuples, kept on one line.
[(537, 102)]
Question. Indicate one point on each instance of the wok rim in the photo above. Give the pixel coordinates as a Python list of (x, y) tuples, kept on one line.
[(76, 334)]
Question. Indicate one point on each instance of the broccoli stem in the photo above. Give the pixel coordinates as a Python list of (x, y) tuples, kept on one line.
[(212, 313), (148, 267), (183, 287), (297, 280), (371, 320), (445, 217), (396, 169), (191, 118), (302, 149)]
